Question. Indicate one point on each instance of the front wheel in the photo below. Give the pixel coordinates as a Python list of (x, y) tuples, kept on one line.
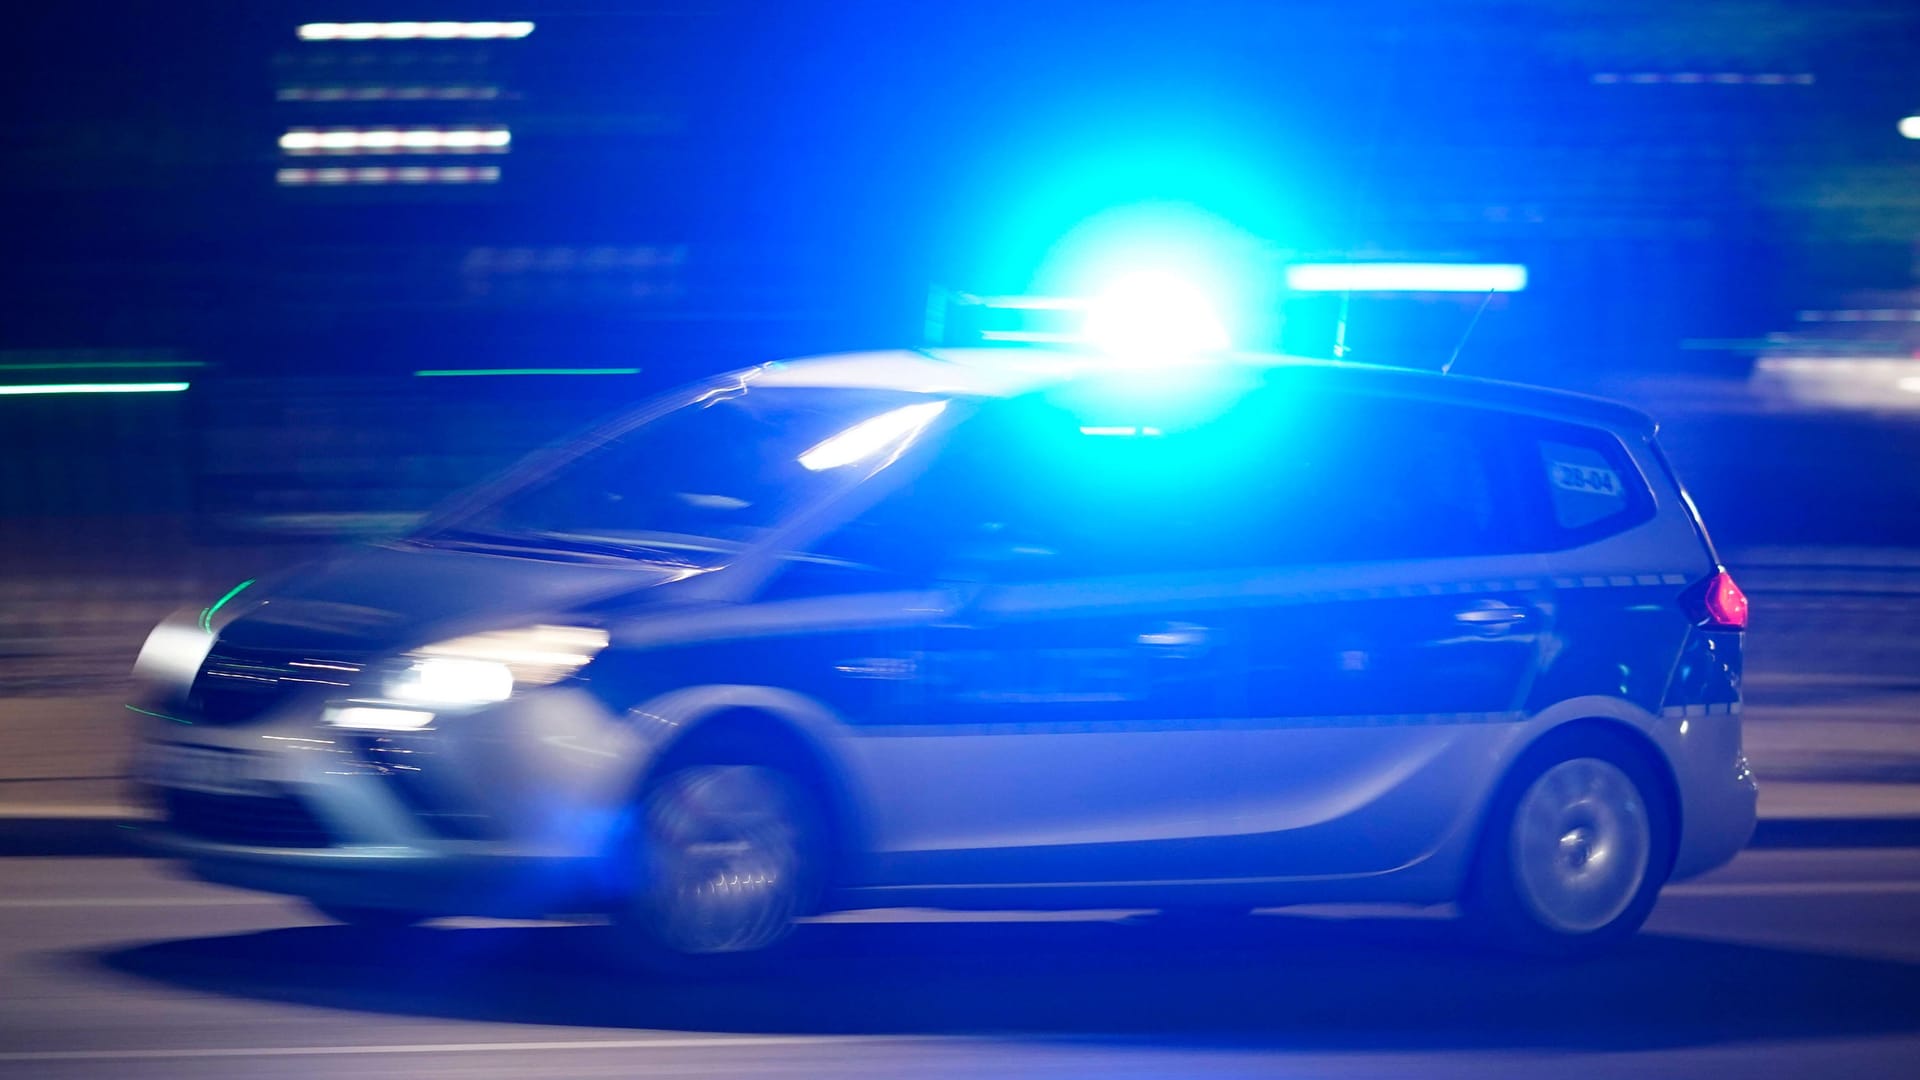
[(727, 856), (1576, 849)]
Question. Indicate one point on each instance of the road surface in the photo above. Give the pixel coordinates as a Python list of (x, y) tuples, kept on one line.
[(1787, 963)]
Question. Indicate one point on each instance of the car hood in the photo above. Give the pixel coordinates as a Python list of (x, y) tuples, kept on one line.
[(388, 598)]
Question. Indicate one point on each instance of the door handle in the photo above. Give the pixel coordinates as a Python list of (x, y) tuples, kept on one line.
[(887, 668), (1491, 616)]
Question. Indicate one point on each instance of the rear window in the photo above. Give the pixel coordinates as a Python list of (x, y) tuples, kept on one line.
[(1584, 483)]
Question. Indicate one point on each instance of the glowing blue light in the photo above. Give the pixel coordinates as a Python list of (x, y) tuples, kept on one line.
[(1407, 277), (1154, 314), (866, 439)]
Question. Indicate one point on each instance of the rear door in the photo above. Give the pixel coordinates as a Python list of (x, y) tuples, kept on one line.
[(1396, 616)]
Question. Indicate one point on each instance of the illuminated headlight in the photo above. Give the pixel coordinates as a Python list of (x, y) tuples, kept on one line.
[(445, 680), (481, 669)]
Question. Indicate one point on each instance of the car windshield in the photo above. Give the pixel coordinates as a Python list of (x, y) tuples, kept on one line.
[(704, 479)]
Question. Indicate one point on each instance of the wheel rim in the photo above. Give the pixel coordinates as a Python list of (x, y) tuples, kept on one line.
[(724, 859), (1581, 845)]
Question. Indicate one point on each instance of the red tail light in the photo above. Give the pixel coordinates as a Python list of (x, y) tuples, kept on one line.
[(1726, 604)]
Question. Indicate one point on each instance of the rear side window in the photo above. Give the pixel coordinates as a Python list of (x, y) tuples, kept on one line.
[(1585, 487), (1583, 483), (1359, 479)]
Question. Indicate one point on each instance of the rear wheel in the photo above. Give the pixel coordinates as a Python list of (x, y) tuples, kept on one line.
[(1576, 849), (726, 855)]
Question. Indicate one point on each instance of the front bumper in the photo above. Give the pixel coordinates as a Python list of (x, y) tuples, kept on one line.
[(402, 879), (507, 813)]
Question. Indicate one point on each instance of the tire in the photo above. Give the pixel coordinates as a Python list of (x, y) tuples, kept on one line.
[(726, 852), (370, 918), (1577, 844)]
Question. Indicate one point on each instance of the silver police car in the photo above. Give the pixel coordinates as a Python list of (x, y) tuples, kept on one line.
[(992, 629)]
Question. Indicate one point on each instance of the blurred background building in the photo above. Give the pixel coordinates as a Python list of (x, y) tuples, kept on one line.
[(389, 256)]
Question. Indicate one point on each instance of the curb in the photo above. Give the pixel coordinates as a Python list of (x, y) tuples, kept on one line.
[(118, 836)]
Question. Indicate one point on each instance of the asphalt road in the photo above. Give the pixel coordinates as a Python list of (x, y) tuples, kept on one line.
[(1787, 963)]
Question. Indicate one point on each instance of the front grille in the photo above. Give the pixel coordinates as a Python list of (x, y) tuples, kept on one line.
[(251, 820), (236, 686)]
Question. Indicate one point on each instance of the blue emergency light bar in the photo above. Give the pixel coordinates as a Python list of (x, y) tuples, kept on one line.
[(1145, 314), (1407, 277)]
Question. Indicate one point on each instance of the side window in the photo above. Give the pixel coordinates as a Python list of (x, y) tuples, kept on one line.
[(1584, 485), (1591, 486), (1379, 479), (1022, 491), (977, 508), (1276, 480)]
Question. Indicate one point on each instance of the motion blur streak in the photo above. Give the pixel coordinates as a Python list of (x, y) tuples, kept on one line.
[(97, 388), (380, 174), (387, 93), (1406, 277), (469, 372), (407, 31), (401, 140)]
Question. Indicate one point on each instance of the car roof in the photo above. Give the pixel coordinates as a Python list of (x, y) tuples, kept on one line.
[(1008, 372)]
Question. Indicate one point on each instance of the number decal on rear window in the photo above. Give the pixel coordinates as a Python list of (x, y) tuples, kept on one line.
[(1588, 483), (1585, 478)]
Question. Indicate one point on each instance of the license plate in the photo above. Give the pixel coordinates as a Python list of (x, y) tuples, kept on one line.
[(209, 770)]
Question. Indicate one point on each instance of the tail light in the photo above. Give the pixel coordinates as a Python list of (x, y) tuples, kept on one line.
[(1726, 605)]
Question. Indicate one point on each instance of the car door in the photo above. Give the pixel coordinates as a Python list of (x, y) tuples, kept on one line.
[(1389, 641), (1061, 720)]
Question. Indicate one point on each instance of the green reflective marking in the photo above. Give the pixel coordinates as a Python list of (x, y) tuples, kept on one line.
[(206, 616), (447, 372), (79, 365), (158, 716)]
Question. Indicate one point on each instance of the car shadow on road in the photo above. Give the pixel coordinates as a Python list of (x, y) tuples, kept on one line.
[(1267, 980)]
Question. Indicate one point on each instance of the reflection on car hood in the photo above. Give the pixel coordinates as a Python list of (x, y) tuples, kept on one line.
[(386, 598)]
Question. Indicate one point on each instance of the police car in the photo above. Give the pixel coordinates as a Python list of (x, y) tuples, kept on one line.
[(982, 628)]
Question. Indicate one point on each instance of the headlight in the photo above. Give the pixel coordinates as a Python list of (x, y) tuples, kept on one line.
[(471, 671)]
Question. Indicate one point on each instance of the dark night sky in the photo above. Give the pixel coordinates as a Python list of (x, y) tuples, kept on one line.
[(811, 152)]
